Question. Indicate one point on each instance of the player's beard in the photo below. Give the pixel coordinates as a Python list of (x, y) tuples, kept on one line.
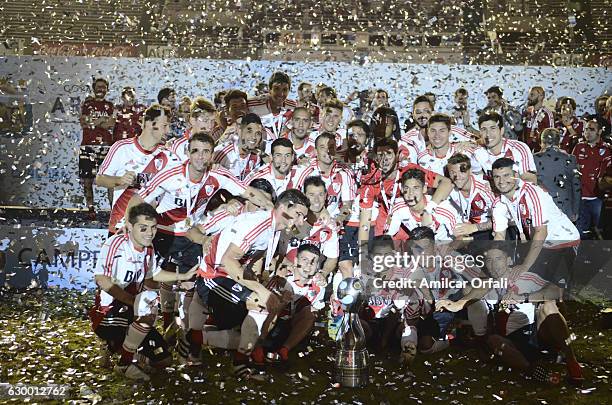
[(531, 102), (418, 122)]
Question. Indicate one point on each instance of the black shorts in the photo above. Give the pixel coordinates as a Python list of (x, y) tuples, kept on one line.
[(179, 251), (349, 243), (113, 329), (428, 327), (554, 265), (226, 300), (90, 159), (522, 340)]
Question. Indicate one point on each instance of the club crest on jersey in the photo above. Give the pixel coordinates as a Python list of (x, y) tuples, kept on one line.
[(336, 187), (158, 164), (209, 189), (523, 209), (602, 151), (479, 204)]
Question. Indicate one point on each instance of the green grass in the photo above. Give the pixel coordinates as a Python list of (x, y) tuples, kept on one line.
[(47, 339)]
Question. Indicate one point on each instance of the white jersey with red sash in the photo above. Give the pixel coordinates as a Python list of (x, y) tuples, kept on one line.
[(430, 161), (228, 156), (532, 207), (475, 208), (340, 184), (252, 232), (180, 146), (127, 155), (515, 150), (445, 218), (303, 294), (320, 235), (181, 201), (280, 184)]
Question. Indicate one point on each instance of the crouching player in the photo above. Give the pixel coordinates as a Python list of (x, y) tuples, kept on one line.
[(302, 295), (125, 307), (519, 338)]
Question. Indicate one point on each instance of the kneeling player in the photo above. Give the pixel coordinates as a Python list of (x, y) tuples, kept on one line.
[(302, 296), (126, 304)]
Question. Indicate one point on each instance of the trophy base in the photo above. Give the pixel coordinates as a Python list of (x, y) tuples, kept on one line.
[(352, 368)]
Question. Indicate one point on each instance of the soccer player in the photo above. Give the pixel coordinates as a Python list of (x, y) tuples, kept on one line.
[(329, 121), (97, 122), (126, 302), (241, 155), (181, 194), (514, 326), (299, 134), (472, 198), (554, 237), (274, 108), (537, 118), (512, 118), (571, 127), (339, 180), (417, 209), (496, 146), (422, 109), (202, 118), (282, 173), (233, 299), (302, 296), (131, 163), (440, 149), (383, 186), (594, 157), (235, 108), (128, 116), (167, 98), (325, 94)]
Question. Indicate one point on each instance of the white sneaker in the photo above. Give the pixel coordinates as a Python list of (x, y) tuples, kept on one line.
[(133, 372)]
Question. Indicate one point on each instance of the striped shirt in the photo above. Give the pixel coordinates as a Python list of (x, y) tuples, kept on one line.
[(415, 137), (445, 218)]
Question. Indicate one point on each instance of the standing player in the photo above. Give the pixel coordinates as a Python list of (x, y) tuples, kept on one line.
[(128, 116), (553, 236), (537, 118), (571, 127), (472, 198), (440, 149), (222, 285), (202, 118), (301, 123), (97, 123), (496, 146), (235, 108), (274, 108), (242, 155), (131, 163), (339, 180), (329, 121), (422, 109), (282, 173), (126, 304)]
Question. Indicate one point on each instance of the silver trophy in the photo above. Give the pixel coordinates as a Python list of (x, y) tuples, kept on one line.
[(352, 355)]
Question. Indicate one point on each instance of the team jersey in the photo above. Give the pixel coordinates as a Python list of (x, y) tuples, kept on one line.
[(339, 135), (280, 184), (593, 162), (180, 145), (261, 105), (228, 156), (515, 150), (95, 109), (125, 265), (128, 121), (535, 123), (128, 155), (252, 232), (445, 218), (415, 137), (407, 153), (430, 161), (275, 124), (322, 236), (307, 149), (532, 207), (474, 208), (569, 142), (302, 294), (340, 184), (182, 202), (215, 222)]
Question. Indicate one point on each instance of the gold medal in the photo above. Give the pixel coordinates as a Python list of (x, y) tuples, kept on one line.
[(188, 222)]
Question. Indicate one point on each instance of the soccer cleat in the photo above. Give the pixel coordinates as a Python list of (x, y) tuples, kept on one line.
[(542, 375), (283, 353), (243, 372), (133, 372), (574, 373)]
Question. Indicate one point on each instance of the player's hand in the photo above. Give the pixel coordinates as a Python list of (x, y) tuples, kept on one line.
[(233, 207), (319, 280), (452, 306), (464, 230), (127, 179)]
